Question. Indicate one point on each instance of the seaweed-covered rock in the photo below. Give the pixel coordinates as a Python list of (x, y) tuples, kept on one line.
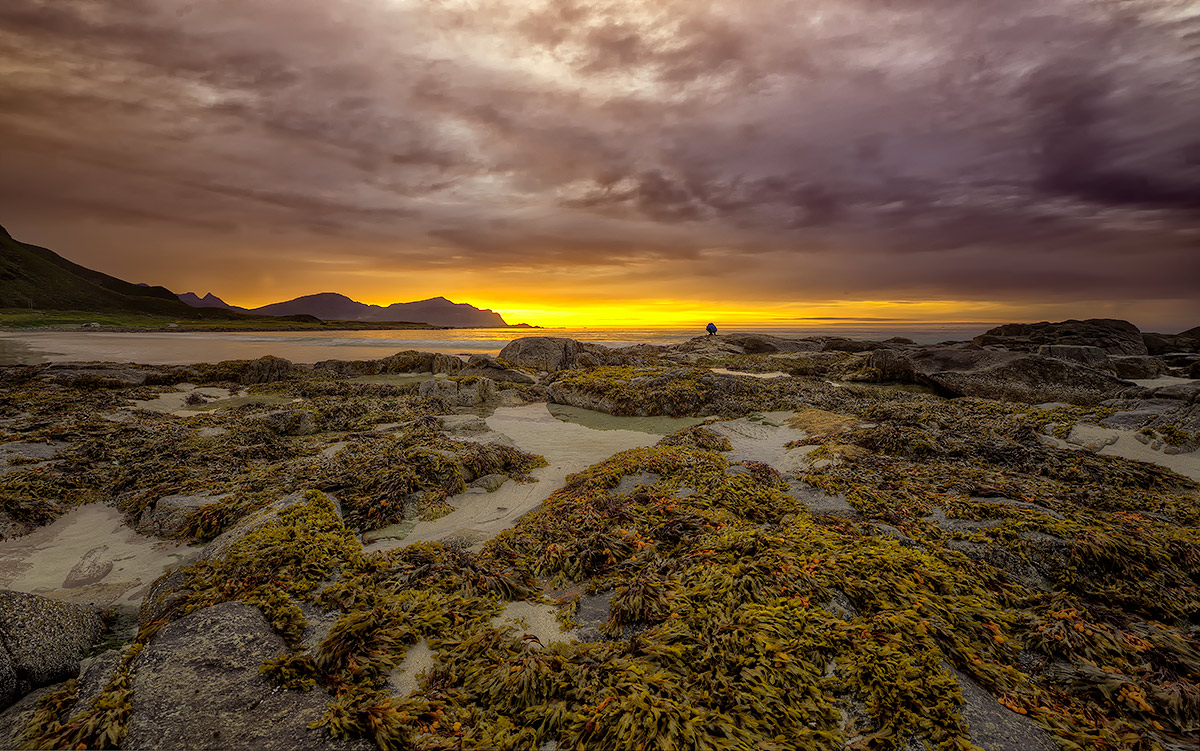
[(267, 370), (263, 516), (1113, 336), (100, 375), (498, 374), (549, 353), (44, 639), (197, 685), (291, 421), (891, 365), (168, 516), (463, 392)]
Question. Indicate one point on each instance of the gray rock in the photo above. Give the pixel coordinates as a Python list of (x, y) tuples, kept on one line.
[(471, 392), (818, 502), (45, 639), (14, 719), (629, 483), (91, 568), (1188, 393), (105, 375), (291, 421), (38, 451), (1135, 414), (499, 375), (1161, 344), (197, 686), (549, 353), (995, 727), (891, 365), (490, 483), (169, 514), (163, 595), (1111, 335), (1091, 356), (1010, 376), (408, 361), (8, 679), (1137, 366), (267, 369)]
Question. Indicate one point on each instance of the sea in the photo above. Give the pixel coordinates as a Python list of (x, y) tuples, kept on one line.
[(185, 347)]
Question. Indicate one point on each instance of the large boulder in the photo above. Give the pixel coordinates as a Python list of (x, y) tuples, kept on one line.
[(1113, 336), (548, 353), (1012, 376), (1162, 344), (42, 641), (197, 686)]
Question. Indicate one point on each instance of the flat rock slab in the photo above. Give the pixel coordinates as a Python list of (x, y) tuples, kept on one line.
[(995, 727), (197, 686)]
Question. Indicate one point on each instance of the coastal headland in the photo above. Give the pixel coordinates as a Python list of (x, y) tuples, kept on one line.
[(738, 541)]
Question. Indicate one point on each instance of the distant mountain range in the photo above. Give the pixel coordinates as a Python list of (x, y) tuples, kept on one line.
[(330, 306), (34, 277)]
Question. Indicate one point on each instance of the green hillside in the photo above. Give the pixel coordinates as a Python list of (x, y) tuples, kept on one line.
[(33, 277)]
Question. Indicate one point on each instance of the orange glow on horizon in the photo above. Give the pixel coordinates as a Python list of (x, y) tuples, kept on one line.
[(651, 313)]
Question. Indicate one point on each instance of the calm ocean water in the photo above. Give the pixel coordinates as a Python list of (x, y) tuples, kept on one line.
[(178, 348)]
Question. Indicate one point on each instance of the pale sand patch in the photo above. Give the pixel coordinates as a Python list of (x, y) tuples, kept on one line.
[(405, 678), (1115, 442), (534, 619), (773, 374), (176, 401), (567, 447), (107, 563), (588, 418)]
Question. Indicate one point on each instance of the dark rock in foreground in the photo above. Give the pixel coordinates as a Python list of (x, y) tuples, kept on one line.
[(197, 686), (42, 641)]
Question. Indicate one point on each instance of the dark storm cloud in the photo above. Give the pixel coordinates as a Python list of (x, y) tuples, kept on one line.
[(979, 144)]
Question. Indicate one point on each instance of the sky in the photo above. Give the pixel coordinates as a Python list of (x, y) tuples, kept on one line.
[(620, 161)]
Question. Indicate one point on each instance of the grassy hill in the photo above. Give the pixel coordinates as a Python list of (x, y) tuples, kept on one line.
[(33, 277)]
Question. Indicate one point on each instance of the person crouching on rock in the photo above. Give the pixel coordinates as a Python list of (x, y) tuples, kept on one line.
[(711, 329)]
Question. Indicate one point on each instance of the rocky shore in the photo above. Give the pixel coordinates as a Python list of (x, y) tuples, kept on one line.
[(735, 542)]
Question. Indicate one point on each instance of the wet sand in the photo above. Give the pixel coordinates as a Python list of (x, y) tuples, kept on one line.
[(88, 556)]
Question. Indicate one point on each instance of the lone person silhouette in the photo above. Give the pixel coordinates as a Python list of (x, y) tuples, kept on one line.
[(711, 329)]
